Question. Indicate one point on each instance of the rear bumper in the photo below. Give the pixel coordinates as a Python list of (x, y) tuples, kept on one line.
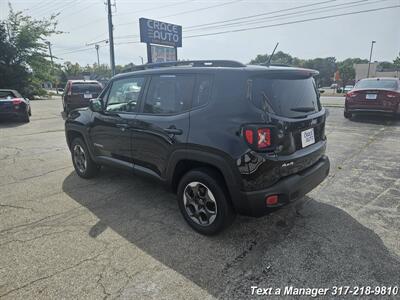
[(288, 189), (372, 110), (11, 114)]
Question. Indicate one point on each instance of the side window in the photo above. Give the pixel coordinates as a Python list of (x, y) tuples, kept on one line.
[(203, 90), (169, 94), (124, 94)]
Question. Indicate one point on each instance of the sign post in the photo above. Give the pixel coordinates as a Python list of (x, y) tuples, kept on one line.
[(161, 38)]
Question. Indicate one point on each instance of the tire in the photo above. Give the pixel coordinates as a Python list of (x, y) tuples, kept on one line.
[(25, 117), (203, 188), (347, 115), (84, 166)]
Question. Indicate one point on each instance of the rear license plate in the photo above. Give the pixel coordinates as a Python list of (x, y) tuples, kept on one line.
[(307, 137), (371, 96), (87, 96)]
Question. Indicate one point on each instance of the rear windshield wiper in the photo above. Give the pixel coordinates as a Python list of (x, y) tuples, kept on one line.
[(303, 109)]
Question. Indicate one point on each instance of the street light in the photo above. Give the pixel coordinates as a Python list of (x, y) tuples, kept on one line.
[(370, 56)]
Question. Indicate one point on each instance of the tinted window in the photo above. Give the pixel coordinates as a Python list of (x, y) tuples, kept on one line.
[(169, 94), (6, 94), (377, 84), (124, 94), (81, 88), (203, 90), (286, 97)]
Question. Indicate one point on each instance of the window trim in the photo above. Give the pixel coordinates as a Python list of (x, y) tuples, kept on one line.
[(108, 90), (141, 108)]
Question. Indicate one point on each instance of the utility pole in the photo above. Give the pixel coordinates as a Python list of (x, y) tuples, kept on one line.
[(370, 57), (52, 61), (111, 38), (141, 57), (98, 59)]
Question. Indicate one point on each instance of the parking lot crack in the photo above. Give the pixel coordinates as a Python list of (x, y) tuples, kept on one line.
[(15, 206)]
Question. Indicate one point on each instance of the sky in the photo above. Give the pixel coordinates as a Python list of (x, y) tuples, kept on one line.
[(85, 21)]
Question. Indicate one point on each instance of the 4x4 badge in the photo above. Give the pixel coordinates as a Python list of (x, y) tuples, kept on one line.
[(287, 164)]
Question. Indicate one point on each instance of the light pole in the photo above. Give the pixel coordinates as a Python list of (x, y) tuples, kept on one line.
[(52, 62), (141, 57), (97, 50), (370, 56), (111, 38)]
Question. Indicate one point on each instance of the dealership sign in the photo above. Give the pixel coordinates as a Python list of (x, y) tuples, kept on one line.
[(161, 33)]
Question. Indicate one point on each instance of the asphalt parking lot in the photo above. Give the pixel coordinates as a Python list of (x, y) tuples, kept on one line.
[(120, 236)]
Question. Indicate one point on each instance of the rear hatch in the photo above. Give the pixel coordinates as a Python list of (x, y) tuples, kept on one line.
[(291, 104), (82, 92)]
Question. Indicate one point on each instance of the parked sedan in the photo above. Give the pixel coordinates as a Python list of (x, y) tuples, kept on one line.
[(376, 95), (12, 104)]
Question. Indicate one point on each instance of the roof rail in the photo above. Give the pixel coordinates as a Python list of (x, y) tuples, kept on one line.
[(274, 65), (188, 63)]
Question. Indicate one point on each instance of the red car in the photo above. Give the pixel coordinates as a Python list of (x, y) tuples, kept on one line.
[(374, 95), (77, 93)]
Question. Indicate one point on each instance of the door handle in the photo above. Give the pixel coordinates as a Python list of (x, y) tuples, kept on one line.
[(173, 130)]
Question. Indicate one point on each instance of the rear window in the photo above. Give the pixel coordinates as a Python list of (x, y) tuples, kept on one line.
[(377, 84), (79, 88), (292, 98), (6, 94)]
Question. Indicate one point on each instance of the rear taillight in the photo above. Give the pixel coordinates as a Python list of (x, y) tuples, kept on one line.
[(392, 94), (258, 137), (351, 94), (248, 133), (16, 101), (263, 138)]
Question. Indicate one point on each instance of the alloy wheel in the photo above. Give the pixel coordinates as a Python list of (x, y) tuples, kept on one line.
[(200, 203), (80, 158)]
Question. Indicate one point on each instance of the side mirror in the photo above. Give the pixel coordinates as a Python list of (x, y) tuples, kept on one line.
[(321, 91), (96, 105)]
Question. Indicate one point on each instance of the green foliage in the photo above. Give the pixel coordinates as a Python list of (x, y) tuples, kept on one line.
[(396, 62), (346, 69), (280, 58), (326, 66), (24, 62), (73, 70)]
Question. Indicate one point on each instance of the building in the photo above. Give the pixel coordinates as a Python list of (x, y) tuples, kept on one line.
[(374, 71)]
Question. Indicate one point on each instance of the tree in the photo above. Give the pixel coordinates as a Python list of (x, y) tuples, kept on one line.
[(396, 62), (24, 62), (346, 69), (325, 66), (279, 57)]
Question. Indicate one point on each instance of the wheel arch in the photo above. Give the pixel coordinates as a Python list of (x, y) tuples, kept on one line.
[(182, 161)]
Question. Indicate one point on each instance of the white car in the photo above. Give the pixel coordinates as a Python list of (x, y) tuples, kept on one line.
[(348, 88)]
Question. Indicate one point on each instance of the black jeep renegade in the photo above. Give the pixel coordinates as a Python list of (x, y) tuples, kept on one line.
[(226, 137)]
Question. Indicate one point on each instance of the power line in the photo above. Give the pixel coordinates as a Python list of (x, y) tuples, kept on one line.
[(263, 14), (157, 7), (292, 22), (75, 51), (281, 24), (188, 11), (134, 13), (56, 6), (292, 14)]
